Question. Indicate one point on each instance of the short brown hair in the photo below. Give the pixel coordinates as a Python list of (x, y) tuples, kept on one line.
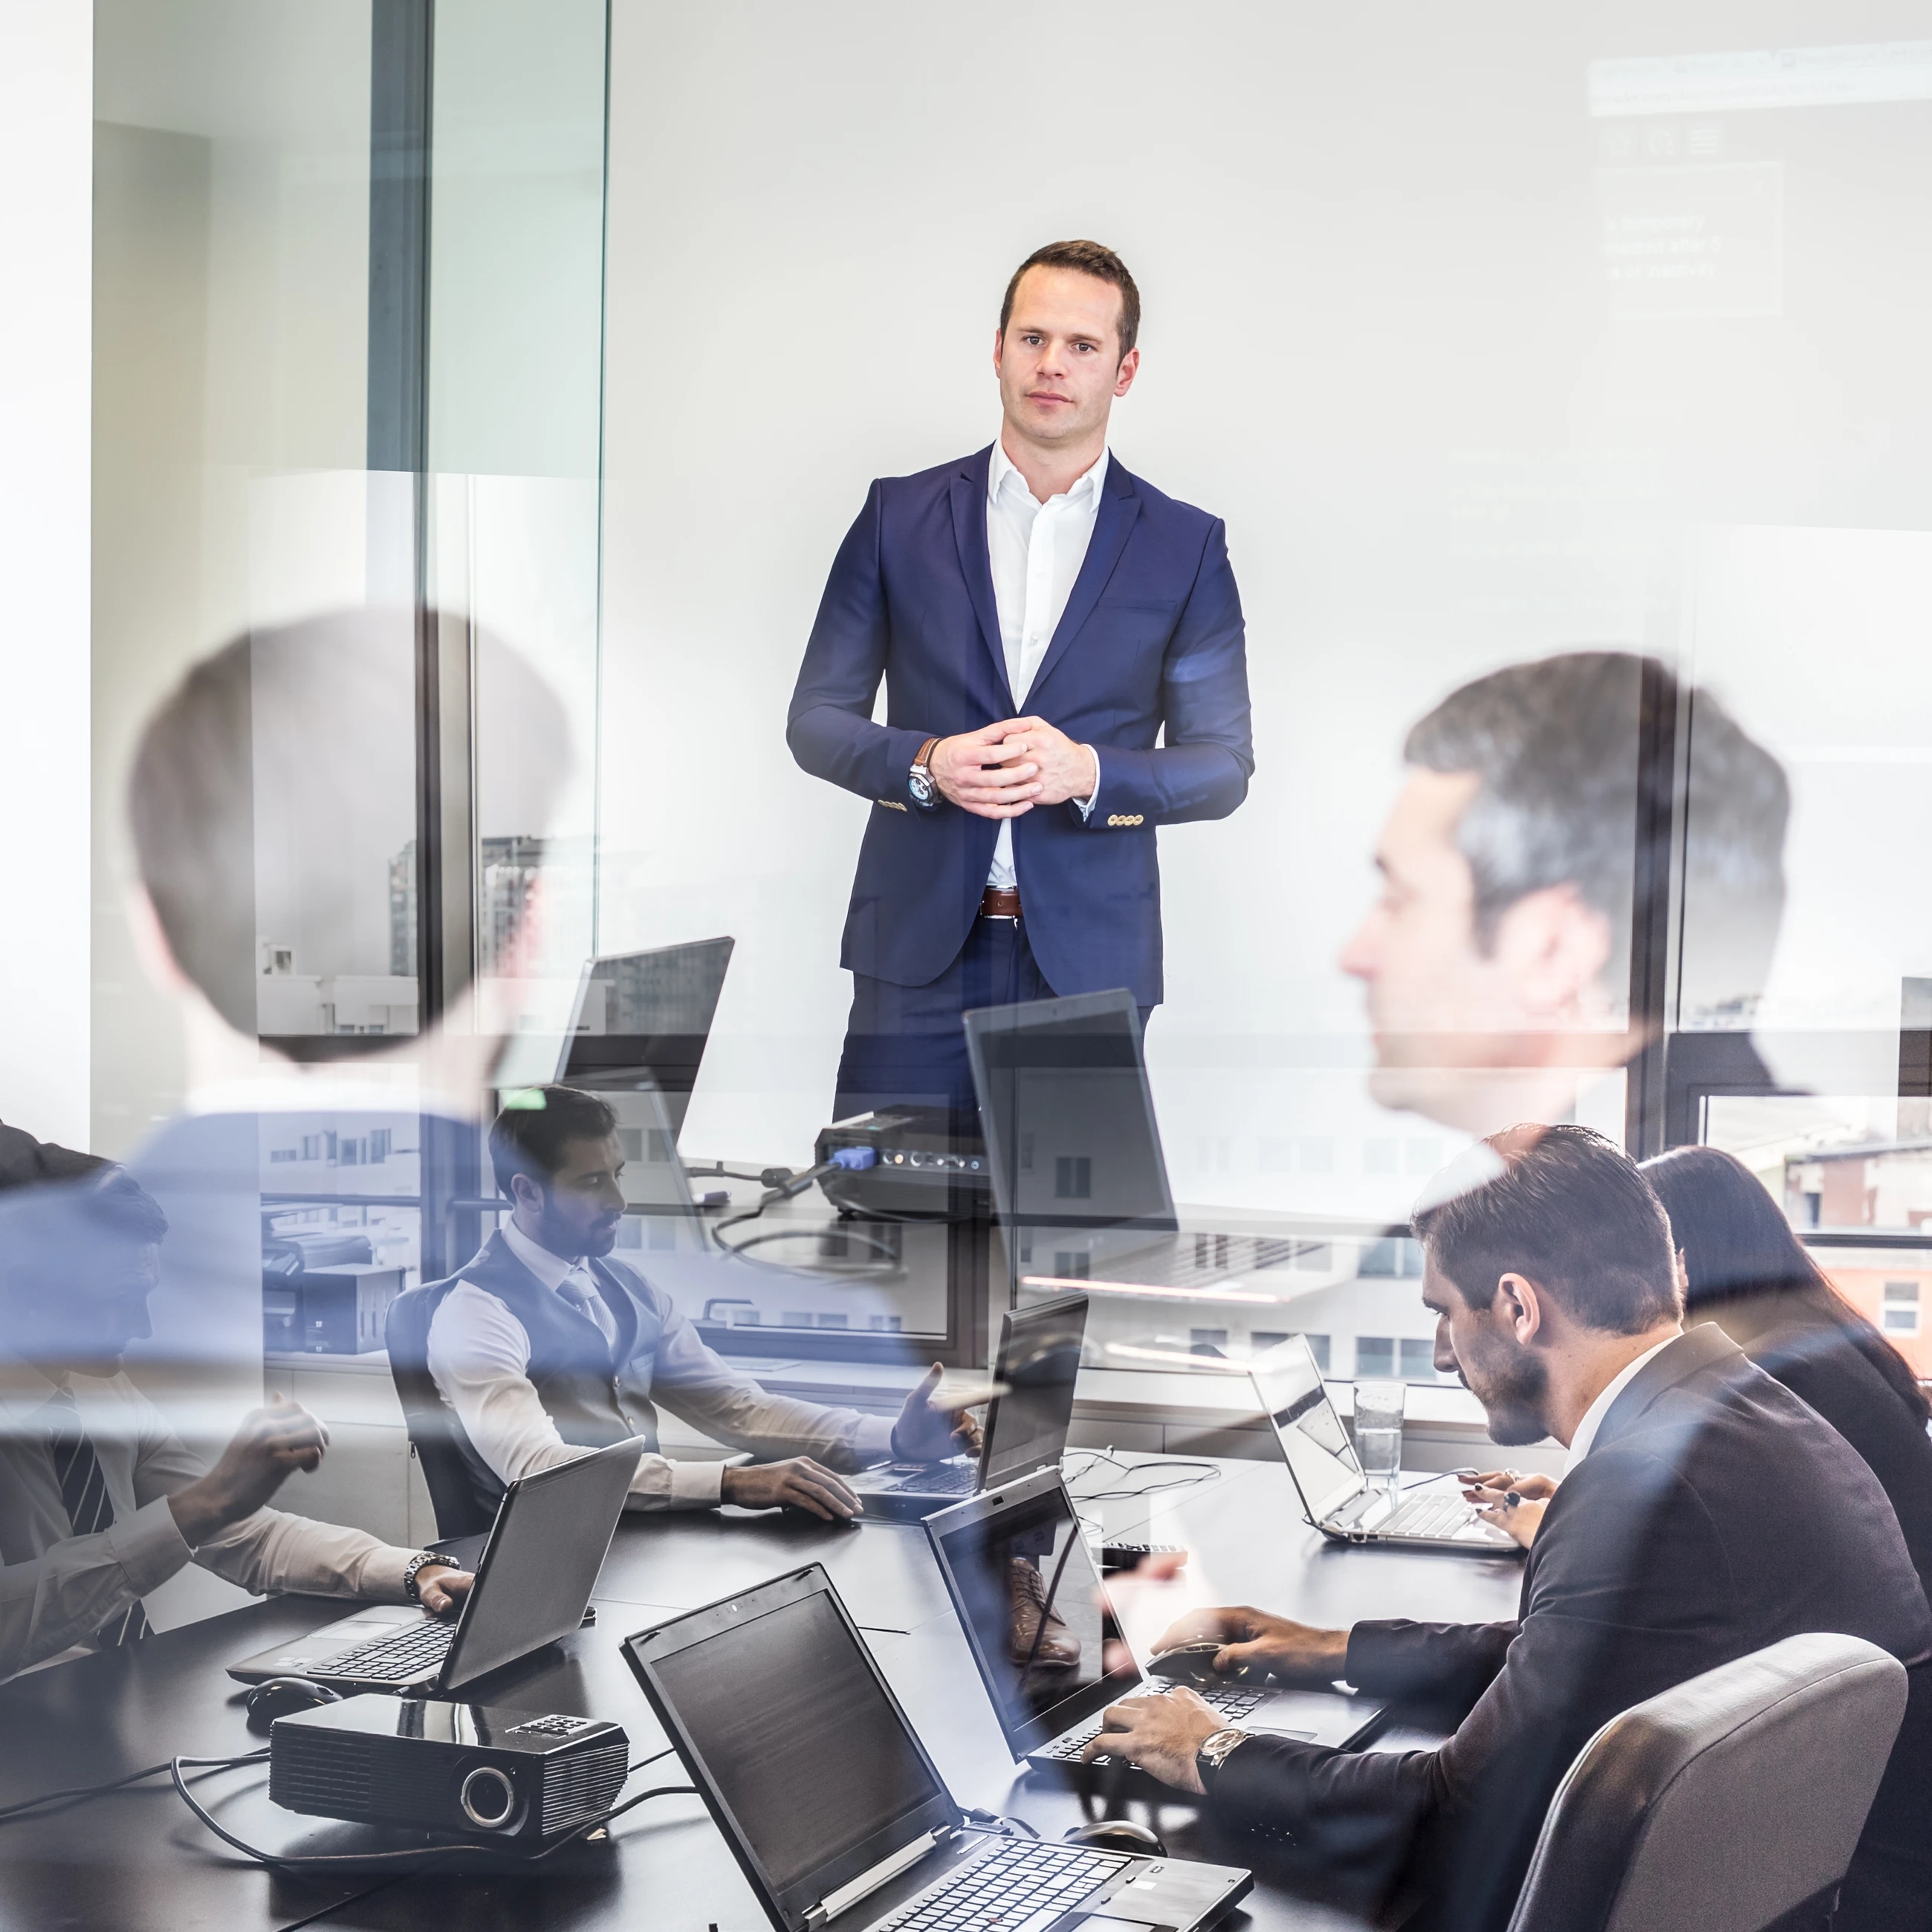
[(1085, 258), (1570, 1210)]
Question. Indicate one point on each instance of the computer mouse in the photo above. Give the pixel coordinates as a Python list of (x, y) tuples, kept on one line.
[(279, 1696), (1117, 1834), (1187, 1662)]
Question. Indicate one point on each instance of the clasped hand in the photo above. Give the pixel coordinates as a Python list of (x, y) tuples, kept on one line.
[(1003, 770)]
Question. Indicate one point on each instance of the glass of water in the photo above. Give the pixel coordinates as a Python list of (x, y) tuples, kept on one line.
[(1378, 1429)]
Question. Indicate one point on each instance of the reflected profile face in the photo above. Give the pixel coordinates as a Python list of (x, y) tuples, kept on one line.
[(1509, 1379), (86, 1320), (578, 1213), (1059, 359), (1444, 1009)]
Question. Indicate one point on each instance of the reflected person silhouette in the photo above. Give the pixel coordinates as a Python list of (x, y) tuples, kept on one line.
[(1496, 962)]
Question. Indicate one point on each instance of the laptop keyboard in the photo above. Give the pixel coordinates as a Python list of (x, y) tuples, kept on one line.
[(1232, 1704), (413, 1652), (1022, 1886), (1440, 1516), (949, 1479)]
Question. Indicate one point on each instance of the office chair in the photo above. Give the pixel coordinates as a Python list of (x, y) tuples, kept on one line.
[(1729, 1804), (434, 1431)]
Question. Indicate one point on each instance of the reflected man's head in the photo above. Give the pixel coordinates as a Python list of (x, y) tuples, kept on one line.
[(1559, 1238), (1501, 941), (276, 783), (556, 1153), (81, 1259), (1065, 347)]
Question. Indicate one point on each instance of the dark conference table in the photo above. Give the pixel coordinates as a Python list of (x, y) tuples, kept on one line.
[(138, 1861)]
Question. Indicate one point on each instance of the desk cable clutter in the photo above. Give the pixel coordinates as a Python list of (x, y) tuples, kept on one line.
[(518, 1784)]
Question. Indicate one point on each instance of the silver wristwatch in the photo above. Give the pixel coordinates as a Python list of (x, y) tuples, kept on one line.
[(920, 782), (1215, 1751), (424, 1559)]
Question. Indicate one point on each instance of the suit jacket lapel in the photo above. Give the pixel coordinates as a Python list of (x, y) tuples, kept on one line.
[(1703, 1346), (976, 565), (1120, 508)]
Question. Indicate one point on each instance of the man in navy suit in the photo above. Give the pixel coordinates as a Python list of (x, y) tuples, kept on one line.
[(1066, 670)]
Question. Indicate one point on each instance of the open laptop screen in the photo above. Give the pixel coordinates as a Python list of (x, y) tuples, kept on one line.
[(799, 1740), (1320, 1457), (1033, 1608), (1067, 1114), (1032, 1407)]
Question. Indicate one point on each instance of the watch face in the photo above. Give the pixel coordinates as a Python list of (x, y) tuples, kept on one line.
[(920, 785)]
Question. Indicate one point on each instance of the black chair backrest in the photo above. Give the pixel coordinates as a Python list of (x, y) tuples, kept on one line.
[(461, 1508), (1724, 1804)]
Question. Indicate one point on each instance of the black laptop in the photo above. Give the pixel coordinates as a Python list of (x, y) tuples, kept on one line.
[(1030, 1411), (837, 1816), (1041, 1628), (533, 1582)]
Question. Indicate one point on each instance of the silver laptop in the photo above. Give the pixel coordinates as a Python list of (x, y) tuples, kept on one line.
[(1074, 1150), (1052, 1656), (1027, 1419), (533, 1583), (837, 1816), (1336, 1496)]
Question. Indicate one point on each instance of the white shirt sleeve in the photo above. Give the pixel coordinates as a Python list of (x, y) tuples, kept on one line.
[(479, 1358), (694, 1382)]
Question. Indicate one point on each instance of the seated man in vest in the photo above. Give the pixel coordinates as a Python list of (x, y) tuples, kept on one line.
[(1707, 1513), (100, 1502), (543, 1342)]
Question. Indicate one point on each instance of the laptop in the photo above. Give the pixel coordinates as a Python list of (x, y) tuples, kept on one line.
[(637, 1020), (1027, 1419), (839, 1817), (533, 1582), (1075, 1151), (644, 1018), (1041, 1628), (1336, 1496)]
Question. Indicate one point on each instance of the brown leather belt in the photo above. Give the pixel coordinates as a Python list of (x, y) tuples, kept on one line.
[(997, 903)]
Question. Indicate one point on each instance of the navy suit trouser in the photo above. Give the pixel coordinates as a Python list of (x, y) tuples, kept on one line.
[(905, 1044)]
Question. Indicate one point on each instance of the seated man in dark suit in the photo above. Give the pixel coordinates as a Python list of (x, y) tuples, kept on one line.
[(1707, 1513), (101, 1502), (543, 1344)]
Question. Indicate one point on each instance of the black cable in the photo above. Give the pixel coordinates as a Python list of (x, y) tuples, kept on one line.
[(877, 1247), (79, 1794), (1209, 1472)]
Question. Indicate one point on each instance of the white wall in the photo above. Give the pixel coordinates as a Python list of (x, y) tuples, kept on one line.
[(46, 116), (1391, 335)]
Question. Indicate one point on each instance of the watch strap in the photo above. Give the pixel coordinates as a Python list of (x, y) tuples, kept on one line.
[(1215, 1751), (920, 762), (424, 1559)]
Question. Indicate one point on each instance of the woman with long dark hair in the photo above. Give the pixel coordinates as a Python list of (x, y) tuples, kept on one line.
[(1747, 1271)]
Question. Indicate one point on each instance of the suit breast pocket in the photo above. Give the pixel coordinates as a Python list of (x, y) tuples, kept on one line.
[(1137, 621)]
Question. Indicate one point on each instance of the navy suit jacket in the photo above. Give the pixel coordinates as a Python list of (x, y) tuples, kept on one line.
[(1151, 642)]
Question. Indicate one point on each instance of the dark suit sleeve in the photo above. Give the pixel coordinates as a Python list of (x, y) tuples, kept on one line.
[(829, 727), (1617, 1604), (1202, 769)]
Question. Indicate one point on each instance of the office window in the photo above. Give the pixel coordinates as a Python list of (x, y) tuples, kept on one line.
[(1417, 1361), (1374, 1355), (1072, 1264), (1901, 1308), (1072, 1177)]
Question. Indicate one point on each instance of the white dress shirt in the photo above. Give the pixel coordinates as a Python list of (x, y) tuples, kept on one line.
[(1036, 550), (479, 1357), (1593, 1416), (57, 1589)]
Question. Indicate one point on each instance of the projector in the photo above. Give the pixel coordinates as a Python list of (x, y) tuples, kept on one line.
[(920, 1168), (470, 1768)]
